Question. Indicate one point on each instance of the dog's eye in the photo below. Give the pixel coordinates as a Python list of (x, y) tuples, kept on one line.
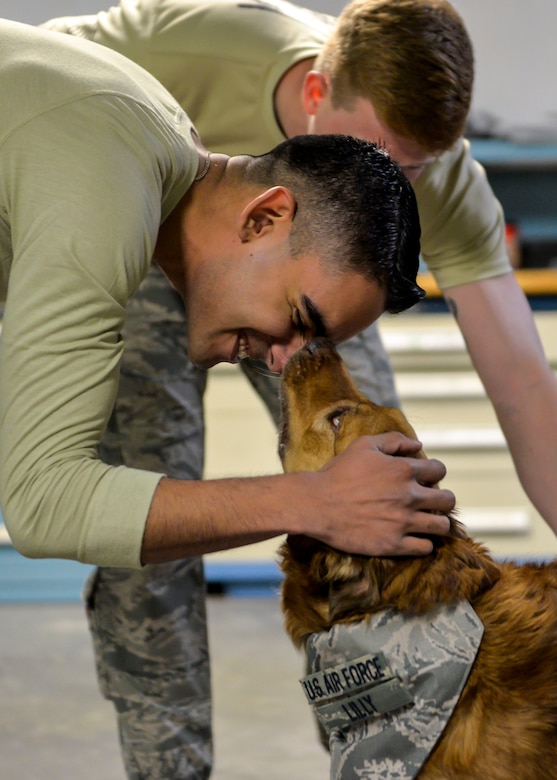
[(335, 418)]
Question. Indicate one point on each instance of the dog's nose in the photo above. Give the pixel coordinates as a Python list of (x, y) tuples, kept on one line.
[(314, 345)]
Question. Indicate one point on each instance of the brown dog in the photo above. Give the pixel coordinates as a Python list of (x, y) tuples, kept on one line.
[(504, 724)]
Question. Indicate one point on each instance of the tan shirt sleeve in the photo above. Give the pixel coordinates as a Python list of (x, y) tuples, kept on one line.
[(84, 186), (463, 229)]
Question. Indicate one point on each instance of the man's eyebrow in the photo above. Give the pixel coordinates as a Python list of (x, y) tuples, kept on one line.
[(314, 316)]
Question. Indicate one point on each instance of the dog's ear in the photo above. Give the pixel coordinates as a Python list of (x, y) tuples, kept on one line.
[(358, 592), (330, 584), (305, 596), (457, 569), (354, 598)]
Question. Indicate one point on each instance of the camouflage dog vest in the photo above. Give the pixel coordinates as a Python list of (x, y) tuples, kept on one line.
[(385, 688)]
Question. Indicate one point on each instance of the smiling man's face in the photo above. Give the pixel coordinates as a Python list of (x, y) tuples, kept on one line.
[(270, 306)]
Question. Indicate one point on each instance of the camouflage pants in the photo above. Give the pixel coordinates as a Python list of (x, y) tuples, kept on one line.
[(149, 626), (150, 643)]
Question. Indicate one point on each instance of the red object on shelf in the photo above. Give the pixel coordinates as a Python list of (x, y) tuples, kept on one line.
[(512, 241)]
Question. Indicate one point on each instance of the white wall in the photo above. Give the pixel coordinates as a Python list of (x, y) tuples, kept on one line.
[(37, 11), (514, 43), (516, 59)]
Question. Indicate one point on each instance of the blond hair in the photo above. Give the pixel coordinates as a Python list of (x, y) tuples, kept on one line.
[(412, 59)]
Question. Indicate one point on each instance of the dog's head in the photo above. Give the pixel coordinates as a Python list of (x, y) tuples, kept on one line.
[(322, 413)]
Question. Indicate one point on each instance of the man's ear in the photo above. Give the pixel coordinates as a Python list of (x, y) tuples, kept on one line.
[(316, 87), (271, 208)]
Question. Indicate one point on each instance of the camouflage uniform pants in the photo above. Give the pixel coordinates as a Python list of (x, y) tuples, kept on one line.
[(149, 626)]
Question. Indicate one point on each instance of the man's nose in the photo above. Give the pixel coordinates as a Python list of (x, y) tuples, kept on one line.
[(278, 354)]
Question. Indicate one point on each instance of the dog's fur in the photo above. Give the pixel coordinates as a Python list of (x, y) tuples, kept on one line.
[(504, 726)]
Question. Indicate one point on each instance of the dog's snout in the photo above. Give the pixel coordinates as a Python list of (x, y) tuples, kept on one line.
[(312, 346), (316, 345)]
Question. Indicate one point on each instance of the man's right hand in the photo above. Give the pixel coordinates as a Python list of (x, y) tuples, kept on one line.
[(377, 498)]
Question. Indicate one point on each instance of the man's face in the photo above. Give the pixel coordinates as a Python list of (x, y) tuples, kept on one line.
[(361, 122), (266, 305)]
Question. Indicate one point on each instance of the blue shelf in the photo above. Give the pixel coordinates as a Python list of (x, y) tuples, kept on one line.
[(25, 580), (54, 581), (45, 580), (538, 228), (506, 154)]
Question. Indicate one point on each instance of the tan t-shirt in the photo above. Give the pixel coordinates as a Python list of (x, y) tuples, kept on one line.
[(94, 154), (222, 61)]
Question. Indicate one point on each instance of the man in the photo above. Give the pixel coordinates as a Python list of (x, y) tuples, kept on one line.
[(101, 171), (250, 74)]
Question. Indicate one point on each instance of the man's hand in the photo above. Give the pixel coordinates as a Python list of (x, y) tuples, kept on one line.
[(368, 501)]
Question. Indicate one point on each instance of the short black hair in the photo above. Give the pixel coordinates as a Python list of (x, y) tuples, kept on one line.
[(355, 208)]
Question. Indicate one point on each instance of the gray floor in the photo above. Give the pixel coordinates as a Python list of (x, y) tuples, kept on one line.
[(54, 725)]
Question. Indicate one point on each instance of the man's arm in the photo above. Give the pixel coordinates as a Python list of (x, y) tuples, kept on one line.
[(364, 501), (501, 336)]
